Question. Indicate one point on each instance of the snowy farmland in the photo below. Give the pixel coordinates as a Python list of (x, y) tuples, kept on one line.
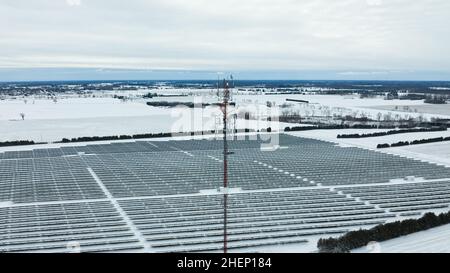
[(438, 109), (48, 121)]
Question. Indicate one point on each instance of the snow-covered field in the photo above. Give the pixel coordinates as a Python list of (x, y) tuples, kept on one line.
[(71, 108), (436, 240), (54, 130), (108, 107), (439, 109), (441, 149), (353, 103), (371, 142), (46, 120)]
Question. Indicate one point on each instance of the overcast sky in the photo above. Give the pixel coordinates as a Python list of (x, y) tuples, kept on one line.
[(348, 39)]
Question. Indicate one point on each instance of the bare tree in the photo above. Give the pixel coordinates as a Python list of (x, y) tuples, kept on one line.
[(285, 113), (379, 116), (388, 117), (421, 118)]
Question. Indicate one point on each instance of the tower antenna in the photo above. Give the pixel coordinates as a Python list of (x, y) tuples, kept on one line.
[(224, 107)]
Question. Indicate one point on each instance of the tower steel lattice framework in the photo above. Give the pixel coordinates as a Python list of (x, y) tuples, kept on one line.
[(226, 97)]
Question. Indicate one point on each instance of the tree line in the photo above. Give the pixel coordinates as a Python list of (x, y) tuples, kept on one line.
[(124, 137), (383, 232), (16, 143), (151, 135), (393, 132), (435, 99), (121, 137), (334, 127), (415, 142), (172, 104)]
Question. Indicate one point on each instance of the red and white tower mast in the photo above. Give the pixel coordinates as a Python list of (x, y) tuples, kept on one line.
[(224, 107)]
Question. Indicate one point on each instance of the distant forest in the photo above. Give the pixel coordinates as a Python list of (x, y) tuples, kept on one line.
[(394, 132), (334, 86)]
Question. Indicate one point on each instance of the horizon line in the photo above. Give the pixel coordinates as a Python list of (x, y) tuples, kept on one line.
[(214, 80)]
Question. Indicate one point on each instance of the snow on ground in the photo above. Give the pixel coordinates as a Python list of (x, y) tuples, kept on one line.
[(71, 108), (439, 109), (307, 247), (440, 149), (46, 120), (370, 106), (346, 101), (436, 240), (347, 105), (371, 142), (55, 130), (66, 108), (438, 152)]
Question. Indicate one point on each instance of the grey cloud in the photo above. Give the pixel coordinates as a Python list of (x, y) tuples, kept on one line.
[(347, 35)]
